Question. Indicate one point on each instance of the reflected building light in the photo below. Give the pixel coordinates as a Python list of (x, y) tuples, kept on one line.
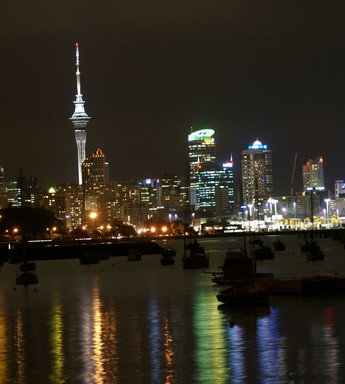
[(97, 345), (237, 356), (168, 353), (19, 347), (332, 355), (57, 344), (4, 351), (271, 346), (210, 344), (155, 340)]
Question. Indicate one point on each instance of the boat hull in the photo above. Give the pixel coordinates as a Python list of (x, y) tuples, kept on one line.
[(167, 260), (26, 278), (243, 297), (194, 262)]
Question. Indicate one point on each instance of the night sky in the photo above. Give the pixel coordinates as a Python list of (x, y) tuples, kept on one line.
[(273, 70)]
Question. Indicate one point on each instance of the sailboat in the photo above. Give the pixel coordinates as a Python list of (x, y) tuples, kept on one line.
[(26, 274), (248, 293), (197, 257)]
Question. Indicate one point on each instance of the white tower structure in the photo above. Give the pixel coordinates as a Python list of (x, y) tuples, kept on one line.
[(79, 120)]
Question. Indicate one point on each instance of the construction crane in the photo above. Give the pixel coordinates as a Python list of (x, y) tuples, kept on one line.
[(293, 174)]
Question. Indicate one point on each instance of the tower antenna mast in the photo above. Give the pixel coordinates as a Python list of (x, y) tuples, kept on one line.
[(293, 174), (79, 119)]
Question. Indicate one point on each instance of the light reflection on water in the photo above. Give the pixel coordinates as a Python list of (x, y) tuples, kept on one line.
[(139, 322)]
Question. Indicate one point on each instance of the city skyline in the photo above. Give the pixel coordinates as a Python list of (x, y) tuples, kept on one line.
[(150, 72)]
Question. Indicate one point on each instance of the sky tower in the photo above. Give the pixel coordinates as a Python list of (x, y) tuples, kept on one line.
[(79, 120)]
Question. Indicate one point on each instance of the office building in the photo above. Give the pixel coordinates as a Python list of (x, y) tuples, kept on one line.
[(339, 189), (313, 177), (215, 197), (257, 176), (201, 151)]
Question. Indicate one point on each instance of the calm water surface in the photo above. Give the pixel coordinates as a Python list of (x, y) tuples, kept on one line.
[(140, 322)]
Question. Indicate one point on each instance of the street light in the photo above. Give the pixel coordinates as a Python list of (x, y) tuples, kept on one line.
[(327, 211), (294, 210), (93, 216), (250, 206)]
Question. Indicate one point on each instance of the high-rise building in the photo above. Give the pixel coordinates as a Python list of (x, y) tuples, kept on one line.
[(257, 177), (215, 195), (339, 189), (170, 192), (95, 185), (95, 169), (313, 178), (201, 150), (79, 120)]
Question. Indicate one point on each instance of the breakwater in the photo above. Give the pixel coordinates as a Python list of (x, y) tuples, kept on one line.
[(15, 252)]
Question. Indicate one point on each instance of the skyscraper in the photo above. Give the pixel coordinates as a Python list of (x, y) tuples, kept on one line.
[(313, 177), (201, 150), (95, 185), (215, 195), (95, 169), (79, 120), (257, 178)]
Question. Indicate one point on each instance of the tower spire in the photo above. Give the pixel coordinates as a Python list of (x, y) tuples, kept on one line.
[(79, 119)]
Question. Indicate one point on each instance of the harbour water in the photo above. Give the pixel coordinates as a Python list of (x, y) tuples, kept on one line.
[(141, 322)]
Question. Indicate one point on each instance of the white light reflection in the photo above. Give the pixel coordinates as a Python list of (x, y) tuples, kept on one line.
[(161, 341), (237, 351), (271, 347), (154, 337)]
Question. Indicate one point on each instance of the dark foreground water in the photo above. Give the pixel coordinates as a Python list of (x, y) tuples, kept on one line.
[(140, 322)]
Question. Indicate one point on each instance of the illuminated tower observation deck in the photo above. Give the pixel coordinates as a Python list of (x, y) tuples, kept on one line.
[(79, 120)]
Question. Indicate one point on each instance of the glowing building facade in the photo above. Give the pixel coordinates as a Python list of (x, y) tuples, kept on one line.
[(215, 189), (79, 120), (257, 177), (313, 177), (201, 151)]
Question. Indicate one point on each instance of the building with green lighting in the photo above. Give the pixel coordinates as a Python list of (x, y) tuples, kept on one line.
[(211, 183), (201, 151)]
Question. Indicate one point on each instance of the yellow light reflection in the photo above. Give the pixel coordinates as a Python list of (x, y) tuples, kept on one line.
[(168, 353), (100, 335), (3, 347), (19, 347), (57, 344)]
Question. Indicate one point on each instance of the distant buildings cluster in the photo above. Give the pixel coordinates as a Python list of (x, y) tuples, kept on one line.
[(213, 191)]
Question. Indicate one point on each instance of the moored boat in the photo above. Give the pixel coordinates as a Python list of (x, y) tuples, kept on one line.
[(169, 252), (89, 258), (167, 260), (243, 295), (278, 245), (134, 255), (314, 255), (262, 252), (303, 285), (196, 260), (237, 267), (26, 267), (26, 278)]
